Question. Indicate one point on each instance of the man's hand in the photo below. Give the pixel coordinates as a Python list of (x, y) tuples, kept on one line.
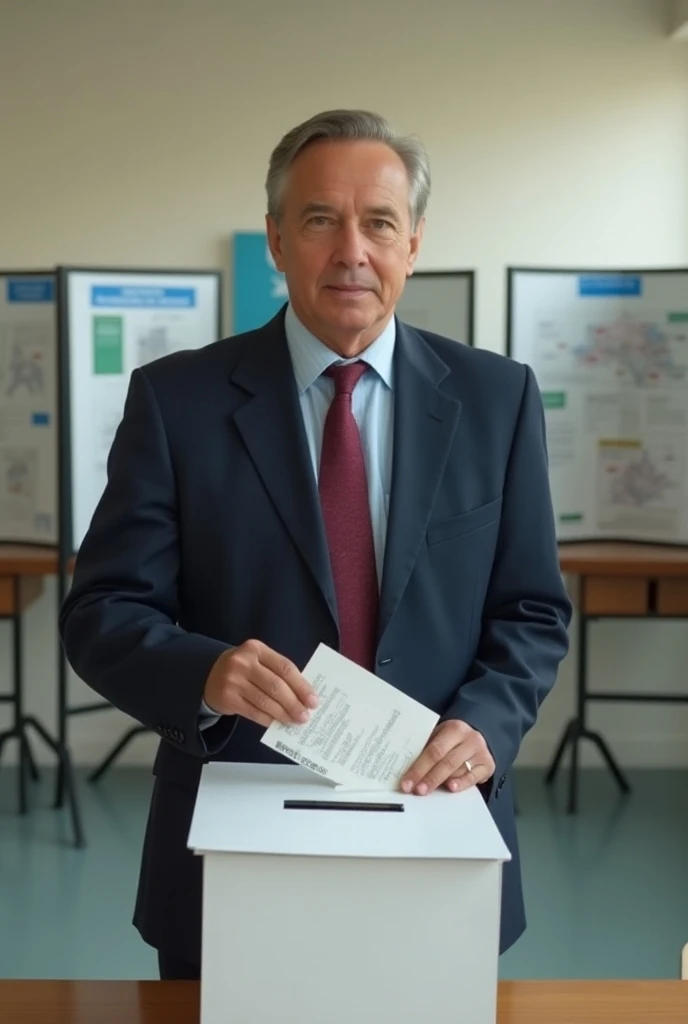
[(443, 762), (254, 681)]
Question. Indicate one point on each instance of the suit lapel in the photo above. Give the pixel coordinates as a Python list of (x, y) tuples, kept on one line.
[(425, 421), (271, 425)]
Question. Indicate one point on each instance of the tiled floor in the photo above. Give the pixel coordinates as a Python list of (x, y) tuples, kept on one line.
[(606, 890)]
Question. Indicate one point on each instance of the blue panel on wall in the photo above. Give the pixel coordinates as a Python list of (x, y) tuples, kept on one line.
[(259, 290)]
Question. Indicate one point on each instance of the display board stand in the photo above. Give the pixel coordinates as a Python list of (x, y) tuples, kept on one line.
[(28, 486), (109, 322), (609, 350), (617, 582)]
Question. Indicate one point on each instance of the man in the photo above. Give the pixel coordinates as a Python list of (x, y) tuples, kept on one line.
[(335, 477)]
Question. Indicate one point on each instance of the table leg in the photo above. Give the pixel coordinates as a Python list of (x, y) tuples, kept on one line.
[(33, 768), (612, 764), (61, 726), (66, 771), (559, 753), (22, 765), (577, 729), (99, 771), (578, 726)]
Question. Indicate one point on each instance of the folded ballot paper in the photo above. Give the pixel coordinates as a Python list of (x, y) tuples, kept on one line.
[(364, 734)]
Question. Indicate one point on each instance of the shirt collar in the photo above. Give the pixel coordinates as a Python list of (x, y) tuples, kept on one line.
[(311, 357)]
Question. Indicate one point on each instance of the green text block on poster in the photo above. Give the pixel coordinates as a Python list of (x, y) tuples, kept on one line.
[(107, 344)]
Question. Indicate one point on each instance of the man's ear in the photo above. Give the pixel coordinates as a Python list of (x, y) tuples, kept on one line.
[(414, 246), (274, 241)]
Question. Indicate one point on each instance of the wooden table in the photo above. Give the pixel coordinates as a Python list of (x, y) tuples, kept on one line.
[(617, 581), (176, 1002), (22, 569)]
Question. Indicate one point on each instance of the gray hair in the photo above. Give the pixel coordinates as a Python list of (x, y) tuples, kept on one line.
[(350, 124)]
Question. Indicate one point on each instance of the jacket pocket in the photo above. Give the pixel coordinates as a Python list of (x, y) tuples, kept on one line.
[(467, 522)]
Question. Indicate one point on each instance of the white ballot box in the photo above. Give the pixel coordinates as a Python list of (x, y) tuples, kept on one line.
[(327, 906)]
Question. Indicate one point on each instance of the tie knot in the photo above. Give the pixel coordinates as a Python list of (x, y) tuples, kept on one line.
[(346, 376)]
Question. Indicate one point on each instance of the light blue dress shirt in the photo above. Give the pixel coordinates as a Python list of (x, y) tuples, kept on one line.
[(372, 404)]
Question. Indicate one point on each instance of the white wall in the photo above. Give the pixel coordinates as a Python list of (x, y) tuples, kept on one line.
[(138, 133)]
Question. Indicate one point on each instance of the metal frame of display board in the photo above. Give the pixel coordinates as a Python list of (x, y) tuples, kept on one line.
[(66, 546), (466, 275), (577, 727)]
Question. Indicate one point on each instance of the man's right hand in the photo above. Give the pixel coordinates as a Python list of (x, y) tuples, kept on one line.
[(258, 683)]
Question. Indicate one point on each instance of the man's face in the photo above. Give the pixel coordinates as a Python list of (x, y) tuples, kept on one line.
[(344, 240)]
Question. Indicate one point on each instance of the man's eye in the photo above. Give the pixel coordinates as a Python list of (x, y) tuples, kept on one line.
[(381, 225), (319, 221)]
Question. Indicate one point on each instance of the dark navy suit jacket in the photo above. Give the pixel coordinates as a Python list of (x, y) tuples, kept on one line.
[(209, 533)]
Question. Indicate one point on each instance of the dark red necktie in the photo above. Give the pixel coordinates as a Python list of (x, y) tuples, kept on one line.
[(343, 487)]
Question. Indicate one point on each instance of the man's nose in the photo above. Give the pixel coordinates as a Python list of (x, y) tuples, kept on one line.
[(351, 246)]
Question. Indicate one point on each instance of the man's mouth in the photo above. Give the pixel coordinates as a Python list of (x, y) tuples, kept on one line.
[(349, 289)]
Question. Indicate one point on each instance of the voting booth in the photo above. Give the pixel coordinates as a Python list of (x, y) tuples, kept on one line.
[(323, 904)]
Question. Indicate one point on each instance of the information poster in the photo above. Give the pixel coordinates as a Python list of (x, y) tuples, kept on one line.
[(112, 322), (440, 302), (610, 353), (28, 400), (259, 290)]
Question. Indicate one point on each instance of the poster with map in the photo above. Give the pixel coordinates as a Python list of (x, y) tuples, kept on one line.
[(112, 321), (610, 354), (28, 405)]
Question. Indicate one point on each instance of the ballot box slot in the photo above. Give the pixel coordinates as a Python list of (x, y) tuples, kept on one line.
[(340, 805)]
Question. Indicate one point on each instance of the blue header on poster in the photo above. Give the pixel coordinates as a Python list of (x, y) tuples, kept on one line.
[(30, 289), (596, 285), (142, 297)]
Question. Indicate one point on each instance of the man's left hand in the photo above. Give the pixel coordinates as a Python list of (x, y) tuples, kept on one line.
[(443, 762)]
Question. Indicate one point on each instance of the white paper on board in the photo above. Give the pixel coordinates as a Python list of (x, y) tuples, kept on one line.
[(118, 321)]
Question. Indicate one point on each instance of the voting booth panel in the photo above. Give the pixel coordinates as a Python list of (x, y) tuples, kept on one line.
[(315, 900), (610, 353), (110, 322)]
